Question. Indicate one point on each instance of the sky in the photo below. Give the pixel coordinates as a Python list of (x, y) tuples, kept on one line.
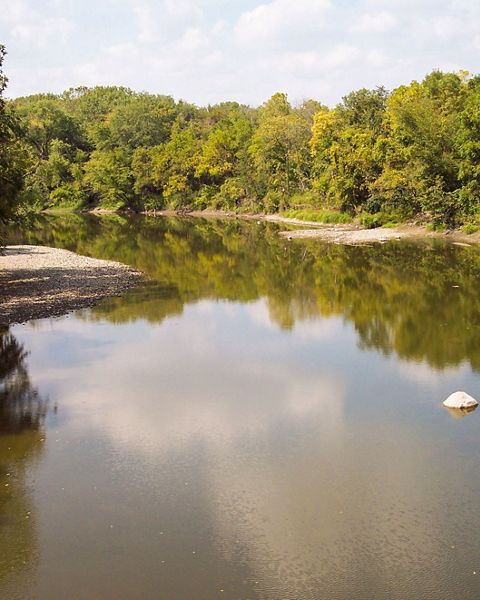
[(208, 51)]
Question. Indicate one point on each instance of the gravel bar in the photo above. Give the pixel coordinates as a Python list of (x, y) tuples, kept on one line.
[(38, 282), (343, 235)]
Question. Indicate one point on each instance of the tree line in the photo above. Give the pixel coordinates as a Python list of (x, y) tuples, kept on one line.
[(413, 153)]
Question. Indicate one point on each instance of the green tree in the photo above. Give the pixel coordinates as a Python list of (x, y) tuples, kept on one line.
[(422, 123), (414, 152), (45, 120), (109, 177), (468, 140), (364, 108), (142, 122), (223, 161), (174, 165), (343, 146), (13, 155), (279, 150), (91, 106)]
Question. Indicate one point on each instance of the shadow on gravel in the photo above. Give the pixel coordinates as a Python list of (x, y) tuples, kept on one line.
[(37, 293), (15, 251)]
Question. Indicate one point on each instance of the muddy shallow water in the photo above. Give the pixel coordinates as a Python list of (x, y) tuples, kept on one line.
[(262, 419)]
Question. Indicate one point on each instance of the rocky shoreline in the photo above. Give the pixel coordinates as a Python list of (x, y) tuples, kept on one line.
[(38, 282)]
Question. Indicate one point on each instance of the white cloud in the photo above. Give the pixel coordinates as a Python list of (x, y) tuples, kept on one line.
[(183, 8), (377, 58), (213, 50), (300, 64), (341, 55), (147, 31), (311, 64), (446, 26), (28, 26), (375, 22), (281, 21), (219, 27), (121, 50), (40, 33), (193, 39)]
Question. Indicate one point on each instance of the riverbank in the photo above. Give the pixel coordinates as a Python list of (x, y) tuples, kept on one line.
[(38, 282), (351, 233)]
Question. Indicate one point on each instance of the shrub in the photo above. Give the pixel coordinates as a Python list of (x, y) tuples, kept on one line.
[(272, 201), (470, 228), (304, 201), (319, 216), (371, 221), (379, 219), (435, 226), (68, 196), (205, 198), (390, 224), (231, 194)]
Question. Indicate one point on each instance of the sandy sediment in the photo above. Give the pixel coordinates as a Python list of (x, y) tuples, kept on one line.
[(340, 235), (37, 282)]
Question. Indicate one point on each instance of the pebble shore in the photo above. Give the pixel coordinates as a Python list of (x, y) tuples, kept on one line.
[(38, 282)]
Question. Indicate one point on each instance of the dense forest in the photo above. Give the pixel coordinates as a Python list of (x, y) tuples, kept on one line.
[(383, 157)]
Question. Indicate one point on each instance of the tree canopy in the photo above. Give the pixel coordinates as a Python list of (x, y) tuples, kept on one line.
[(411, 153), (13, 159)]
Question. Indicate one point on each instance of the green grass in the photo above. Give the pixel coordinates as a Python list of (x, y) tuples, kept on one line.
[(390, 225), (470, 228), (60, 210), (370, 221), (332, 217), (379, 219), (439, 227)]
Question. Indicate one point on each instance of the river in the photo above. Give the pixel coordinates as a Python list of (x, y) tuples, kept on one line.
[(260, 419)]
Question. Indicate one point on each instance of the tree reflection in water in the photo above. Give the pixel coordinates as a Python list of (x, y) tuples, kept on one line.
[(22, 414), (21, 407), (417, 299)]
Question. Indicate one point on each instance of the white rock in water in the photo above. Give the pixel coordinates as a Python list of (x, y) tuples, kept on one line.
[(460, 400)]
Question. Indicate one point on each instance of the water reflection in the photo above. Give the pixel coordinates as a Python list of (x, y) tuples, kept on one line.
[(217, 451), (460, 413), (242, 426), (418, 300), (21, 406), (22, 414)]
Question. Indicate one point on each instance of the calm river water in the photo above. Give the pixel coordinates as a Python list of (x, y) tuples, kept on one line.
[(261, 419)]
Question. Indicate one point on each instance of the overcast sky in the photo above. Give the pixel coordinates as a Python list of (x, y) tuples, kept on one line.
[(206, 51)]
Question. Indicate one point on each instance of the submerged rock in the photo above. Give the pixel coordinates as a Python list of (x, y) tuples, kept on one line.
[(460, 400)]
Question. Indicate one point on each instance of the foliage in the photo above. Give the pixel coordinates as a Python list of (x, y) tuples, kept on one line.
[(470, 228), (109, 177), (279, 150), (370, 221), (412, 153), (13, 154), (319, 216)]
